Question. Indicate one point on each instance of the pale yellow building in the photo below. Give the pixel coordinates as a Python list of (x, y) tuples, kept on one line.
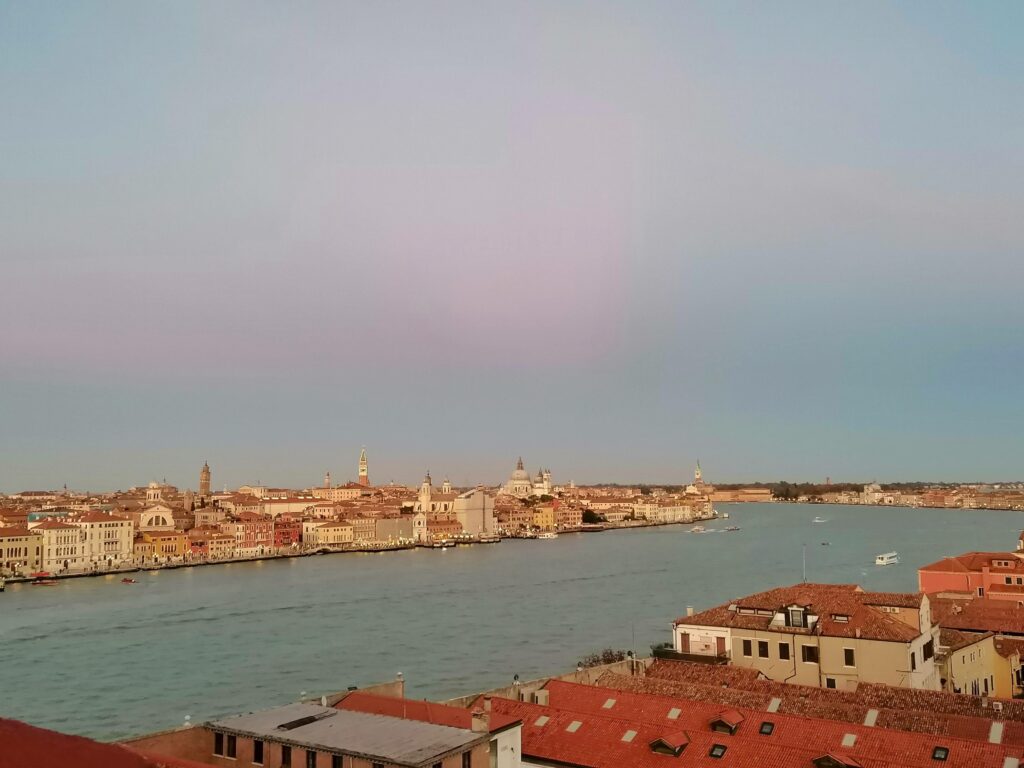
[(544, 517), (967, 662), (825, 635), (63, 548), (21, 551), (316, 533)]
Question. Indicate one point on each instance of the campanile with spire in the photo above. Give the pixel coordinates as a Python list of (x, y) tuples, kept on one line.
[(204, 481), (364, 468)]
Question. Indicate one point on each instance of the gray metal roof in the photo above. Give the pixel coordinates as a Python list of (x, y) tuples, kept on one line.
[(390, 739)]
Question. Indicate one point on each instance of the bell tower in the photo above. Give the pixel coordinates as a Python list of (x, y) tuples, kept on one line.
[(204, 481), (364, 468)]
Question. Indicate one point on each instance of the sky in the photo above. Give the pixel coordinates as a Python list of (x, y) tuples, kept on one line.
[(785, 239)]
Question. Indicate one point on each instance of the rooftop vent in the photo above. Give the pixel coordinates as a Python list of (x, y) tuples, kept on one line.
[(291, 725)]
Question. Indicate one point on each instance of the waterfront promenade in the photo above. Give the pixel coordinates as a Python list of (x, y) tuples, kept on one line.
[(210, 641)]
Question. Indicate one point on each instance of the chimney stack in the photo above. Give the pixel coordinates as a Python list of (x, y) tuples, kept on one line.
[(481, 721), (689, 610), (487, 703)]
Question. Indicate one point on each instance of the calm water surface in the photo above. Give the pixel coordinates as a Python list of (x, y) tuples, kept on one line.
[(96, 657)]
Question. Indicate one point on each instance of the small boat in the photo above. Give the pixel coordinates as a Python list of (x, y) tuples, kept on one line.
[(129, 581), (697, 529), (733, 528), (547, 535), (725, 515), (3, 584), (887, 558), (824, 543), (45, 583), (819, 520)]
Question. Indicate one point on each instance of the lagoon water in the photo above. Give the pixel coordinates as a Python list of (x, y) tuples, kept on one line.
[(95, 657)]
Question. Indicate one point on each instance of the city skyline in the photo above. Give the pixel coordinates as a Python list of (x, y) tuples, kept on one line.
[(609, 238)]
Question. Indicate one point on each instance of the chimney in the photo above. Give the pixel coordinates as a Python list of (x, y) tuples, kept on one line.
[(487, 703), (689, 610), (481, 721)]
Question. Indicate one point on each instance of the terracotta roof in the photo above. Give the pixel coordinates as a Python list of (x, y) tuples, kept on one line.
[(856, 610), (53, 525), (1007, 646), (812, 736), (424, 711), (15, 532), (981, 615), (956, 715), (24, 745), (974, 562), (954, 640), (573, 730)]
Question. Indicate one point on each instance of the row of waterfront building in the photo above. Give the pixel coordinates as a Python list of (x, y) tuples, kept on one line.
[(158, 524)]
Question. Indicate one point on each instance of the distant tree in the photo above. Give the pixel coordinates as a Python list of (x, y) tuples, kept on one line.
[(607, 656), (590, 516), (547, 497)]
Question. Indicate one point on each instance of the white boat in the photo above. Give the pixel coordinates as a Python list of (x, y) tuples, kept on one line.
[(725, 515), (887, 558), (697, 529), (819, 520), (547, 535), (3, 584)]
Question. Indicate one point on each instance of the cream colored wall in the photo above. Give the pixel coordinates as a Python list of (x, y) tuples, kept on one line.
[(972, 665)]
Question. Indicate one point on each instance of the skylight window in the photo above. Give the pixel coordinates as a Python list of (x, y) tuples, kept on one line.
[(674, 713), (940, 753), (628, 736), (540, 721), (766, 728), (573, 726), (717, 750), (608, 704)]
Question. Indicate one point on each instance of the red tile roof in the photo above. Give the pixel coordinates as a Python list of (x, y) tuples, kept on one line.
[(573, 732), (423, 711), (981, 615), (953, 715), (816, 734), (15, 532), (858, 609), (25, 746), (974, 562)]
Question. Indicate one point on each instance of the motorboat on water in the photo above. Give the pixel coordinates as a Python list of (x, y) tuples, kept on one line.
[(732, 528), (698, 529), (45, 583), (725, 515), (887, 558), (819, 520), (129, 581), (547, 535), (3, 584)]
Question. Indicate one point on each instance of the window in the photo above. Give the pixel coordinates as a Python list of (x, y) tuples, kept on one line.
[(717, 750), (913, 661), (494, 754), (310, 758), (981, 591), (940, 753), (928, 650), (796, 617), (466, 759), (1008, 580), (232, 746), (378, 765), (783, 650), (748, 648), (849, 658), (257, 752), (762, 649), (830, 682), (286, 756), (809, 653), (218, 744), (766, 728)]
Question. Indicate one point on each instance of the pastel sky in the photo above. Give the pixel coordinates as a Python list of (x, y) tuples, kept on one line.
[(784, 238)]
